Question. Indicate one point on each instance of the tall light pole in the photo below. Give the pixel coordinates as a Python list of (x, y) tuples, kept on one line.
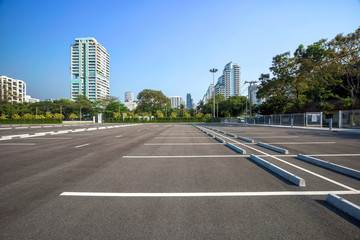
[(36, 112), (213, 70)]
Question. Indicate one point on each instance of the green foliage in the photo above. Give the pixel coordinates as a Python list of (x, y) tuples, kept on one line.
[(151, 101), (72, 116), (323, 71), (15, 116)]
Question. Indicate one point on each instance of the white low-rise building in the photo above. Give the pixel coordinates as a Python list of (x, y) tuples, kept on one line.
[(12, 90)]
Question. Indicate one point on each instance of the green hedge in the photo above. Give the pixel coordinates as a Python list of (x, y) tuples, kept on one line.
[(29, 121), (160, 120)]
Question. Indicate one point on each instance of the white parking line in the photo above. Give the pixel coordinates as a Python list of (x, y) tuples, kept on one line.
[(178, 144), (197, 156), (280, 137), (83, 145), (5, 128), (293, 165), (300, 143), (20, 127), (180, 137), (119, 136), (17, 144), (207, 194)]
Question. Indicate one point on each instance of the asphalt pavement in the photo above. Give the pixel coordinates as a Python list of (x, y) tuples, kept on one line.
[(172, 181)]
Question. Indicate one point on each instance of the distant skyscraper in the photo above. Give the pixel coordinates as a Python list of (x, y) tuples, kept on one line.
[(90, 69), (228, 83), (176, 101), (129, 96), (189, 101)]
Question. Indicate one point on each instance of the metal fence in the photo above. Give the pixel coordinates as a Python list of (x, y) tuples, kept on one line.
[(349, 119), (338, 119)]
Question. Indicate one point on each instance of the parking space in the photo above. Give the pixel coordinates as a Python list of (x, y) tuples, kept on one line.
[(172, 181)]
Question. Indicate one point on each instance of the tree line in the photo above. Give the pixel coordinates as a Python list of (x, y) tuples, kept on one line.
[(321, 73)]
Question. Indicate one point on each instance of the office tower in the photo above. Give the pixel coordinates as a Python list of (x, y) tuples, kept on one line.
[(129, 96), (189, 101), (228, 83), (90, 69), (176, 101), (12, 90)]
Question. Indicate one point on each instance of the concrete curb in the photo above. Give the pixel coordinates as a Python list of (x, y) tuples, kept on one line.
[(235, 148), (276, 149), (331, 166), (231, 135), (344, 205), (246, 139), (279, 171), (219, 140)]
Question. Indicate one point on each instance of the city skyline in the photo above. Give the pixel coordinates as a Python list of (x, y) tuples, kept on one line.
[(167, 51)]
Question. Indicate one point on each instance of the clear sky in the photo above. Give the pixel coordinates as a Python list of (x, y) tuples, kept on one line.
[(167, 45)]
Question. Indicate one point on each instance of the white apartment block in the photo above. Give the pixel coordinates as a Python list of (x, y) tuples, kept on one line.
[(176, 101), (12, 90), (229, 82), (90, 69), (129, 96)]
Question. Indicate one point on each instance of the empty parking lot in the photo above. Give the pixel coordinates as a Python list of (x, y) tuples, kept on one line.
[(173, 181)]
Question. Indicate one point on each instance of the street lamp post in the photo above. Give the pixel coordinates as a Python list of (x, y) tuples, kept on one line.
[(80, 114), (213, 70), (36, 112)]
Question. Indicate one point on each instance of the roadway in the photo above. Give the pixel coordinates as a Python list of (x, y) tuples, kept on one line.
[(171, 181)]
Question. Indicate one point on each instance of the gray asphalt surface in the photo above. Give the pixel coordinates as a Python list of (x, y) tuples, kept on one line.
[(171, 158)]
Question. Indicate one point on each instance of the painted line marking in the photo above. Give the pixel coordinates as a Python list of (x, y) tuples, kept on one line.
[(280, 137), (293, 165), (119, 136), (207, 194), (47, 126), (83, 145), (5, 128), (17, 144), (20, 127), (180, 137), (179, 144), (243, 156), (36, 127), (198, 156), (50, 138), (301, 143)]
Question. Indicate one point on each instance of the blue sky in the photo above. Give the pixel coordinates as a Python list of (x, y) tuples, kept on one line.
[(162, 45)]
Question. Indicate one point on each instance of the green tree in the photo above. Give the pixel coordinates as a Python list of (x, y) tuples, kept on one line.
[(72, 116), (151, 100)]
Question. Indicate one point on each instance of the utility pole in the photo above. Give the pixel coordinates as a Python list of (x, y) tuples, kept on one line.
[(250, 82)]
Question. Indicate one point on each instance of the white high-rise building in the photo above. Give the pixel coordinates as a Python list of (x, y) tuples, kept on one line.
[(129, 96), (176, 101), (12, 90), (209, 93), (229, 82), (90, 69)]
